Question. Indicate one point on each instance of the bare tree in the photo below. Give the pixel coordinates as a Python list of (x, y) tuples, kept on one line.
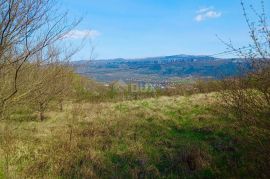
[(41, 83), (249, 93), (27, 27), (54, 85)]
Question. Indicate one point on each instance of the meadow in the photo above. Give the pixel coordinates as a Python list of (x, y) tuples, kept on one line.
[(162, 137)]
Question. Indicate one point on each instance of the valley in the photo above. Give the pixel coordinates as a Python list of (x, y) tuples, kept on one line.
[(158, 71)]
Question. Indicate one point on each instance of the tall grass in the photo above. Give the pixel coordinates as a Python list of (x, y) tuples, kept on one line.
[(166, 137)]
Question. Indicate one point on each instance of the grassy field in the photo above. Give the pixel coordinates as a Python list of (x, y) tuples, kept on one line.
[(166, 137)]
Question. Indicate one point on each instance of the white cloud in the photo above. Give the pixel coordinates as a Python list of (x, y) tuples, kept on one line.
[(203, 10), (80, 34), (207, 13)]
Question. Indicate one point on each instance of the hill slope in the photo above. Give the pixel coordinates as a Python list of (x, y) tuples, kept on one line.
[(157, 69), (154, 138)]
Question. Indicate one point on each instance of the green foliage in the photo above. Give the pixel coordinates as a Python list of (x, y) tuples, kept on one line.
[(1, 170)]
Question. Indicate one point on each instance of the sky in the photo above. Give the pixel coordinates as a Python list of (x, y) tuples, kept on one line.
[(147, 28)]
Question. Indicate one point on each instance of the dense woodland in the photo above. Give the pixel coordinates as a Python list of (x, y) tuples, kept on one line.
[(55, 123)]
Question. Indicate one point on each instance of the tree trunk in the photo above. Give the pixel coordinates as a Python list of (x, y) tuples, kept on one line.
[(41, 112), (61, 105), (41, 116), (2, 109)]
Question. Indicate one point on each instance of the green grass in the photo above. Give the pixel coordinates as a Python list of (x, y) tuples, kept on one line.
[(1, 170), (166, 137)]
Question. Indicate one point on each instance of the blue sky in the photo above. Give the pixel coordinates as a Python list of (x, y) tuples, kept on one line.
[(143, 28)]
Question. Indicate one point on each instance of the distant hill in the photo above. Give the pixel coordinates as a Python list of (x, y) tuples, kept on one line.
[(157, 69)]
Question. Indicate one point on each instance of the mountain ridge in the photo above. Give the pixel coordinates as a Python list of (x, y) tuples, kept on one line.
[(160, 68), (152, 57)]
